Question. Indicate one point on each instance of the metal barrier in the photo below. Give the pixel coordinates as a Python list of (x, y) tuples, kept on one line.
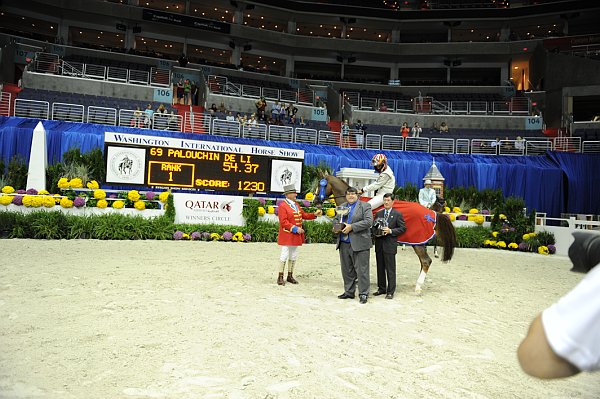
[(141, 77), (567, 144), (359, 137), (134, 118), (102, 115), (225, 128), (441, 146), (459, 107), (67, 112), (160, 77), (160, 121), (217, 84), (591, 147), (369, 104), (462, 146), (501, 107), (404, 106), (270, 93), (484, 146), (115, 74), (306, 136), (32, 109), (537, 147), (478, 107), (389, 104), (288, 96), (251, 91), (373, 141), (395, 143), (281, 133), (197, 123), (327, 137), (305, 97), (440, 107), (415, 144), (352, 98), (258, 131), (72, 69), (91, 71), (5, 103), (510, 147), (46, 63)]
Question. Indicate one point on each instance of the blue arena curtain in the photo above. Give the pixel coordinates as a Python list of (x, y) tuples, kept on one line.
[(555, 183)]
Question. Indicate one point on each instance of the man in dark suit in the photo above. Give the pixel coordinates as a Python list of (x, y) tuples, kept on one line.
[(354, 243), (386, 246)]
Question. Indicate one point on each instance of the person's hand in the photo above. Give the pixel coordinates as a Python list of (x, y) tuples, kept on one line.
[(347, 228), (360, 192), (300, 230), (318, 212), (387, 230)]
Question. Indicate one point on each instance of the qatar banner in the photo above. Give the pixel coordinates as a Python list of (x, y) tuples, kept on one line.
[(208, 209)]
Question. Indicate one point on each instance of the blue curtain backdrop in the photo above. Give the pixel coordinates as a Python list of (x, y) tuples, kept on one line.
[(555, 183)]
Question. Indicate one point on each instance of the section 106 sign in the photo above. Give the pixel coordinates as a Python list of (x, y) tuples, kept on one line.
[(202, 165)]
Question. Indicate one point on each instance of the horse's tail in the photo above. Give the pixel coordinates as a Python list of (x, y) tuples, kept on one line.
[(446, 233)]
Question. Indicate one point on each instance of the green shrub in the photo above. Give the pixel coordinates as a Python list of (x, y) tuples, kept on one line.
[(17, 173), (48, 225), (471, 237), (318, 232)]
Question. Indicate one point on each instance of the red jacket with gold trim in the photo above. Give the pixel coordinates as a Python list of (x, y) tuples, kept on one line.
[(288, 218)]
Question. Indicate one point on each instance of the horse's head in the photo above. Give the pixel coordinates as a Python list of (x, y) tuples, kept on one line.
[(322, 192), (439, 204)]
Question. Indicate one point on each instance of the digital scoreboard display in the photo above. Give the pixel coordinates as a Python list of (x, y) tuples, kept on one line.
[(191, 164), (208, 170)]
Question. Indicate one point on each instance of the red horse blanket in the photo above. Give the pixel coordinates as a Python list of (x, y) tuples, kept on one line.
[(420, 222)]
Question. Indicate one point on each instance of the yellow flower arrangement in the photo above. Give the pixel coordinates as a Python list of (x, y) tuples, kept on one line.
[(271, 210), (164, 197), (501, 244), (502, 216), (488, 242), (215, 236), (93, 185), (133, 195), (48, 202), (330, 213), (446, 209), (118, 204), (543, 250), (309, 196), (492, 243), (139, 205), (102, 203), (479, 219), (332, 199), (6, 200), (76, 183), (43, 192), (471, 218), (456, 209), (66, 203), (526, 236), (494, 234), (513, 245), (32, 201), (99, 194), (261, 211), (8, 190), (473, 211), (238, 237), (57, 198), (63, 182), (185, 236), (452, 217)]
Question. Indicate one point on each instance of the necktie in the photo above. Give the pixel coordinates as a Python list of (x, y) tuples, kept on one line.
[(386, 214)]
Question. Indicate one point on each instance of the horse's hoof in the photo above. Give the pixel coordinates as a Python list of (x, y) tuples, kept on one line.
[(418, 291), (436, 255)]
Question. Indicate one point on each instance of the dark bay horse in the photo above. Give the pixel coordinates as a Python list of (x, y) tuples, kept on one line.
[(422, 224)]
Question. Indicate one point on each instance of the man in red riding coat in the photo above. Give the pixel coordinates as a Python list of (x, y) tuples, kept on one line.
[(291, 233)]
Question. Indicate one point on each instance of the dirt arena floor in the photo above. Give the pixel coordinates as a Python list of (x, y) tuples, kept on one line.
[(166, 319)]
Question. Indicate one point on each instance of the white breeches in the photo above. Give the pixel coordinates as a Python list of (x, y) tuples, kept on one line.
[(288, 252), (376, 201)]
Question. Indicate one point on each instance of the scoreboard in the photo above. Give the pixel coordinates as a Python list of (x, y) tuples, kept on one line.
[(202, 165)]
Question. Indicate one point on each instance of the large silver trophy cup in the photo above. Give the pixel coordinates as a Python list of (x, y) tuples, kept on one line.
[(342, 211)]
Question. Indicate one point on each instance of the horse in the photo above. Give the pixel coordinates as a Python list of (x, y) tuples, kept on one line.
[(422, 224)]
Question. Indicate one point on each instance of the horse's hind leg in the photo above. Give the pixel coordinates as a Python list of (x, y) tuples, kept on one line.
[(425, 260)]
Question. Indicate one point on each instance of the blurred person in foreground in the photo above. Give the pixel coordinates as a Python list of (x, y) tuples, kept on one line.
[(565, 338)]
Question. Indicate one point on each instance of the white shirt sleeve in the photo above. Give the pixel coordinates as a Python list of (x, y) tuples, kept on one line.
[(572, 325)]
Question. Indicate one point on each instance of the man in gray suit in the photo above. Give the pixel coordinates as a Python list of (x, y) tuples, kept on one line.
[(389, 224), (354, 244)]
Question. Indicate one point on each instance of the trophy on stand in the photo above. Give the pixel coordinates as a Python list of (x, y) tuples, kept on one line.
[(339, 226)]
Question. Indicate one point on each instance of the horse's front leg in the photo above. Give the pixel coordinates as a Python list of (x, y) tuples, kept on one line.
[(425, 260)]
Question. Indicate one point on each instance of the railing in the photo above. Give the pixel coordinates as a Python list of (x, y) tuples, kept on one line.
[(306, 136), (251, 91), (196, 123), (134, 118), (5, 103), (373, 141), (281, 133), (160, 77), (459, 107), (327, 137), (537, 147), (46, 63), (441, 146), (102, 115), (91, 71), (225, 128), (591, 147), (462, 146), (222, 85), (72, 69), (440, 107), (415, 144), (67, 112), (115, 74), (392, 143), (567, 144), (139, 77), (32, 109), (258, 131)]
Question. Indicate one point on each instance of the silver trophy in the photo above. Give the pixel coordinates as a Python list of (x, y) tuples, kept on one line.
[(339, 225), (378, 227)]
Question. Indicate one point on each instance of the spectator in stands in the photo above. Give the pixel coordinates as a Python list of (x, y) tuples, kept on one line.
[(404, 130), (416, 130), (383, 107), (495, 142), (172, 123), (252, 121), (443, 127), (291, 112), (360, 133), (302, 123), (520, 143), (183, 61), (230, 117), (161, 109), (148, 117), (345, 130), (138, 117), (179, 92), (222, 108), (187, 92), (275, 110), (194, 93), (261, 106), (213, 109), (283, 112)]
